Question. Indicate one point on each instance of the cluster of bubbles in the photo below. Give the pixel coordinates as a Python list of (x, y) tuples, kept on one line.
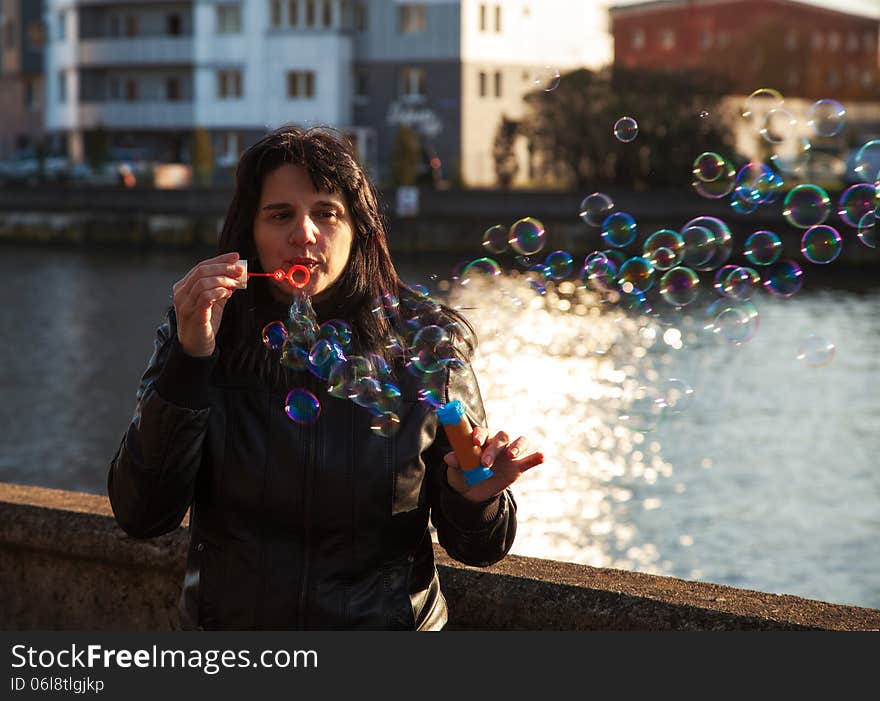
[(424, 349)]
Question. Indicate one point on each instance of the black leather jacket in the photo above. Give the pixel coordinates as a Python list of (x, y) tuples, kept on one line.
[(295, 526)]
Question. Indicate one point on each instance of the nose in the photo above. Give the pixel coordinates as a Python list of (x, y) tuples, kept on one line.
[(303, 231)]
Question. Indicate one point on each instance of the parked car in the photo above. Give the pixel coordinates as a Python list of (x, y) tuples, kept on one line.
[(25, 168)]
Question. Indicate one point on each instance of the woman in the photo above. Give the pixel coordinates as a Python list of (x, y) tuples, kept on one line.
[(296, 524)]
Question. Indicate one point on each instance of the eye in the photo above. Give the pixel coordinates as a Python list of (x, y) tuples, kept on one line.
[(281, 216), (327, 214)]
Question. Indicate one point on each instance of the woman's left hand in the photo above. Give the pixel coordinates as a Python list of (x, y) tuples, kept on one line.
[(507, 459)]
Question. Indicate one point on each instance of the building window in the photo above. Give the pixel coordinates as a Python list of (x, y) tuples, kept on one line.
[(310, 13), (498, 18), (228, 83), (638, 38), (275, 13), (360, 16), (292, 13), (817, 40), (131, 90), (327, 13), (62, 86), (852, 41), (9, 42), (867, 78), (723, 39), (114, 88), (62, 25), (497, 83), (852, 73), (667, 39), (705, 40), (791, 40), (412, 83), (834, 41), (28, 95), (793, 78), (300, 84), (131, 25), (172, 25), (172, 89), (869, 41), (361, 84), (228, 19), (113, 29), (833, 79), (412, 18), (483, 17), (482, 84)]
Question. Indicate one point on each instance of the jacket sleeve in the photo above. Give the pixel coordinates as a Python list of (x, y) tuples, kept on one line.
[(474, 533), (152, 477)]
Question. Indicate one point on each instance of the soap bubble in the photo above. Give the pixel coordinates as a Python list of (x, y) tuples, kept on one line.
[(626, 129), (868, 230), (274, 335), (559, 265), (793, 155), (547, 78), (536, 277), (783, 279), (708, 167), (643, 410), (294, 356), (779, 125), (815, 351), (679, 286), (595, 208), (806, 205), (867, 162), (759, 104), (736, 281), (763, 248), (826, 117), (677, 395), (821, 244), (699, 245), (636, 275), (619, 229), (386, 424), (664, 249), (718, 247), (495, 239), (731, 320), (302, 406), (526, 236), (856, 201), (479, 269)]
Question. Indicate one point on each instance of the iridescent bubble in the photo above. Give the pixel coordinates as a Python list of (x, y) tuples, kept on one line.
[(699, 245), (536, 276), (430, 347), (779, 125), (643, 410), (783, 279), (731, 320), (302, 406), (806, 205), (821, 244), (708, 167), (759, 103), (547, 78), (595, 208), (721, 243), (664, 249), (599, 273), (495, 239), (430, 397), (559, 265), (856, 201), (635, 302), (386, 307), (704, 114), (679, 286), (868, 230), (867, 162), (274, 335), (677, 396), (386, 424), (826, 117), (294, 356), (741, 202), (636, 275), (479, 269), (526, 236), (793, 155), (763, 248), (715, 189), (737, 282), (815, 351), (323, 356), (345, 375), (619, 229), (626, 129)]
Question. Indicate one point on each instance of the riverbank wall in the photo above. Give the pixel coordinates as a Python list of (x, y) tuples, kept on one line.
[(67, 565)]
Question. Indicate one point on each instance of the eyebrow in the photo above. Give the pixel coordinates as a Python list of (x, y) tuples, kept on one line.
[(319, 203)]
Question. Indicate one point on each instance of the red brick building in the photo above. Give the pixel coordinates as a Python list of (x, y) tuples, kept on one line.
[(799, 49)]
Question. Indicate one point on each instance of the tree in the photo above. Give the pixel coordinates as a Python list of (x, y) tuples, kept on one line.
[(570, 129), (406, 157), (97, 147), (506, 165), (202, 156)]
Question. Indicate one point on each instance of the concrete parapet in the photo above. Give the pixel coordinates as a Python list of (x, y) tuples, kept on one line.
[(66, 565)]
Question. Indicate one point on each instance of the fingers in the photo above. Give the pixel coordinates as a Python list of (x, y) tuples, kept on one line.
[(517, 447), (494, 446)]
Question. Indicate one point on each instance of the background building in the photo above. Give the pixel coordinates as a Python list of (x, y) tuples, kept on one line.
[(21, 75), (147, 74)]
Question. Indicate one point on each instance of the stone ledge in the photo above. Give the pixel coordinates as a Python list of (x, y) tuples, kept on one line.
[(68, 565)]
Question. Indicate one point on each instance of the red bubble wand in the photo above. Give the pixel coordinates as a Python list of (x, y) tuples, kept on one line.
[(298, 275)]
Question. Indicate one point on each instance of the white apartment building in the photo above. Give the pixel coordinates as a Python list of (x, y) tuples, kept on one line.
[(149, 72)]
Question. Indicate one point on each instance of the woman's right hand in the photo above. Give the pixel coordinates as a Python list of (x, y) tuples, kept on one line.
[(199, 299)]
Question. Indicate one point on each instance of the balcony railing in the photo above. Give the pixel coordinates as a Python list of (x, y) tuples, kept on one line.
[(141, 115), (138, 51)]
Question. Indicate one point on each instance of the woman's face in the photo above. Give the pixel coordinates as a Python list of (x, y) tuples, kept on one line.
[(297, 225)]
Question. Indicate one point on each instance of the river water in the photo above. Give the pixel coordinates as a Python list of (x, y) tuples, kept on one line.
[(759, 471)]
